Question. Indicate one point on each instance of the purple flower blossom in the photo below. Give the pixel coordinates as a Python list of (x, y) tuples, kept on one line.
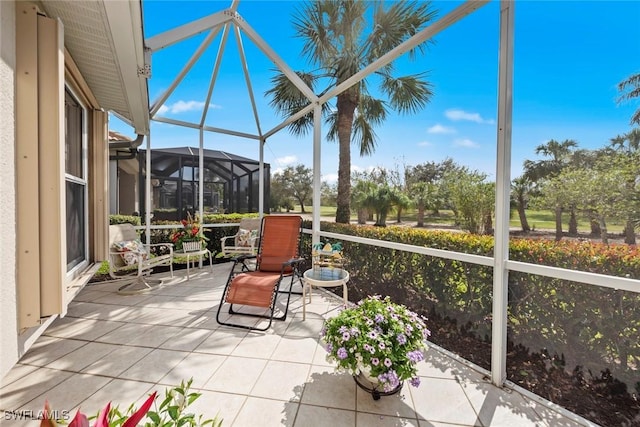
[(402, 339), (375, 361), (379, 318), (329, 348), (415, 356), (342, 329), (415, 381), (382, 345), (373, 335), (345, 336), (387, 362), (342, 353), (409, 329)]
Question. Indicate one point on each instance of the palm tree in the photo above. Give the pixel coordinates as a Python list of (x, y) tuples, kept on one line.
[(520, 188), (630, 89), (361, 197), (628, 144), (560, 157), (338, 42)]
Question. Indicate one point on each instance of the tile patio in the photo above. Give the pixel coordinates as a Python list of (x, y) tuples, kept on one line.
[(121, 348)]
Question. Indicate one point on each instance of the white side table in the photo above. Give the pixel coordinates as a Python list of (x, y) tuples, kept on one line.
[(310, 278), (199, 254)]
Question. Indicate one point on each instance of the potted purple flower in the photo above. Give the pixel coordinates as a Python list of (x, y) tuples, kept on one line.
[(379, 342)]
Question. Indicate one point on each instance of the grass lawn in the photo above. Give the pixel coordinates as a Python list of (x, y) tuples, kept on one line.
[(538, 220)]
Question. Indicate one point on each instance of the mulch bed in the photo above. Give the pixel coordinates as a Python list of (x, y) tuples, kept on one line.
[(597, 397)]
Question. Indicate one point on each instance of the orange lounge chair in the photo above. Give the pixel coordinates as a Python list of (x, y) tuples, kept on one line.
[(277, 259)]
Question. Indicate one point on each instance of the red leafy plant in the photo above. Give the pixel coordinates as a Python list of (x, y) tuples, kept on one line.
[(170, 413)]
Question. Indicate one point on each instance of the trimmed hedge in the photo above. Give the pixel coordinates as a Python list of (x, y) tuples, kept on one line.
[(214, 234), (592, 327)]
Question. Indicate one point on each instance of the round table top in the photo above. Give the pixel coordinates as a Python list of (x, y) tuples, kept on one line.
[(326, 277)]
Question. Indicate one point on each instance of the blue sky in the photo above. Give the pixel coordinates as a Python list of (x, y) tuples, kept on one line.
[(569, 57)]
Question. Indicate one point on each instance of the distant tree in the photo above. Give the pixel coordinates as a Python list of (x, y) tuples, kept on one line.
[(559, 157), (361, 197), (630, 89), (383, 199), (434, 173), (425, 196), (403, 202), (520, 193), (328, 193), (473, 199), (298, 181), (279, 196), (629, 145), (338, 42)]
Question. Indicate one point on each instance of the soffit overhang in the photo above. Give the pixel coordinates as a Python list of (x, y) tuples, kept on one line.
[(106, 41)]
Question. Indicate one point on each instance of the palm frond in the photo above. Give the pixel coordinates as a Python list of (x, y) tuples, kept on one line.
[(287, 99), (372, 110), (402, 20), (363, 133), (309, 24), (407, 94), (332, 121)]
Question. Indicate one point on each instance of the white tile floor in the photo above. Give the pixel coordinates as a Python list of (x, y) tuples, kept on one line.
[(121, 348)]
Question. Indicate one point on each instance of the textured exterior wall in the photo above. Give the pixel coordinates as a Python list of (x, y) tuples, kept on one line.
[(8, 302)]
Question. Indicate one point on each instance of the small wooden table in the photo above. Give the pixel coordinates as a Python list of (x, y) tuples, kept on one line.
[(198, 254), (311, 278)]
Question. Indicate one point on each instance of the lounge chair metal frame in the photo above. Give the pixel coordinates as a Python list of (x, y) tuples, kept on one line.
[(241, 279)]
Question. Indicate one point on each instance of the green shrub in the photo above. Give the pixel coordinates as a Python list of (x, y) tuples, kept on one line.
[(124, 219), (594, 327)]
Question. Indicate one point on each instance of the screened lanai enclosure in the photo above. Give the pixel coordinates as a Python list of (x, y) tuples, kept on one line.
[(230, 183)]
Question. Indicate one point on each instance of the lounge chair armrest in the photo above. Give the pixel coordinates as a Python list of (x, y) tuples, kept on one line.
[(293, 261)]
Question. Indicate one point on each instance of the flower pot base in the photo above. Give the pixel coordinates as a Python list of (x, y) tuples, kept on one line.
[(374, 389)]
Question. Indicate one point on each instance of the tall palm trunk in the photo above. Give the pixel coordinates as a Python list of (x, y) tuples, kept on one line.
[(346, 108), (558, 223), (363, 214), (524, 224), (420, 215)]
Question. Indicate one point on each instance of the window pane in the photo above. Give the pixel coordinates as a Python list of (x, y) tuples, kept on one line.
[(73, 136), (75, 224)]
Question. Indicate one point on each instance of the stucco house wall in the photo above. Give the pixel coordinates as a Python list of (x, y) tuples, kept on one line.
[(8, 300)]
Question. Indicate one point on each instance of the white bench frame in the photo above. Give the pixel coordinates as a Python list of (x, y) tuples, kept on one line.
[(231, 249), (124, 232)]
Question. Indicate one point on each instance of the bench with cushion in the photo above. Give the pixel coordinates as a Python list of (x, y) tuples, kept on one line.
[(245, 241), (126, 251)]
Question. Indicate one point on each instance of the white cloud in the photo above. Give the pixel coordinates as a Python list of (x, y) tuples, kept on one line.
[(331, 178), (185, 106), (465, 142), (456, 115), (424, 144), (438, 128), (286, 160)]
